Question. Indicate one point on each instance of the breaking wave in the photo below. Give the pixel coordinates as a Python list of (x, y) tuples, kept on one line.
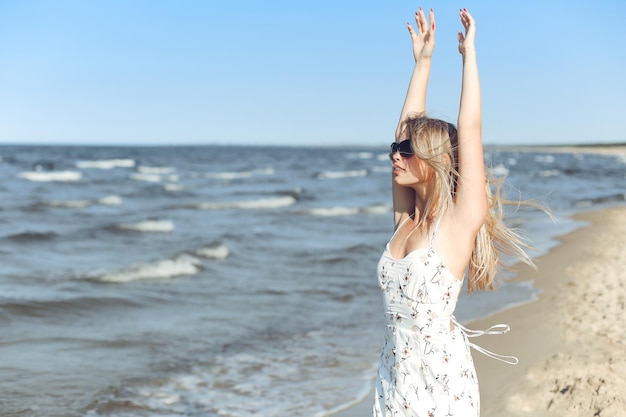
[(325, 175), (158, 270), (107, 164), (148, 226), (264, 203), (58, 176)]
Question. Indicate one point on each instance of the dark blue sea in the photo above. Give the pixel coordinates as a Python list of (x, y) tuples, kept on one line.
[(222, 281)]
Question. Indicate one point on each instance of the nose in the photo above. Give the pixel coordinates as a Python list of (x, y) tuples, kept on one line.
[(394, 156)]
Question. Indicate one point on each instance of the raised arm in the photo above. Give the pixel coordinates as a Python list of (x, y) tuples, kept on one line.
[(423, 45), (471, 198), (415, 101)]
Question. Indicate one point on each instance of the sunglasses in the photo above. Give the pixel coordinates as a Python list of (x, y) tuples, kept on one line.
[(403, 147)]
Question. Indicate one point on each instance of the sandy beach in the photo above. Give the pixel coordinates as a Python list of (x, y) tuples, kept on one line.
[(570, 342)]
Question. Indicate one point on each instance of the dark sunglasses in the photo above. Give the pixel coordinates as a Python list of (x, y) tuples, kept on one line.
[(403, 147)]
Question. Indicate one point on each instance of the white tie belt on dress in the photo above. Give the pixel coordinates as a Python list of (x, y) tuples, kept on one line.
[(495, 329)]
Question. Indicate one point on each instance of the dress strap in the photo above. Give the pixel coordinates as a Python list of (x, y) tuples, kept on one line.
[(432, 237), (495, 329), (400, 226)]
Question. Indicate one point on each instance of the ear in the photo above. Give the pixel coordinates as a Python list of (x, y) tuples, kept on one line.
[(446, 159)]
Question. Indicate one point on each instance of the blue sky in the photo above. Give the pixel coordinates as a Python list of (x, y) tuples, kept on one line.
[(300, 72)]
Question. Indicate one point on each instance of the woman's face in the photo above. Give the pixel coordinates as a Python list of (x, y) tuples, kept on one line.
[(410, 171)]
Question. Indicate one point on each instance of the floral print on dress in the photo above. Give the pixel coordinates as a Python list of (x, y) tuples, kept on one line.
[(425, 368)]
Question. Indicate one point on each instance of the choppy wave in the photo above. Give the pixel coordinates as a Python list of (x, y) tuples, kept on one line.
[(147, 177), (264, 203), (49, 176), (107, 164), (68, 203), (155, 170), (44, 308), (216, 251), (348, 211), (613, 198), (175, 187), (148, 226), (240, 174), (28, 237), (324, 175), (499, 170), (158, 270), (547, 159), (109, 200), (360, 155), (383, 169)]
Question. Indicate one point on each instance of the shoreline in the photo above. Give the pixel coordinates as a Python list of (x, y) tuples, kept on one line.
[(552, 336)]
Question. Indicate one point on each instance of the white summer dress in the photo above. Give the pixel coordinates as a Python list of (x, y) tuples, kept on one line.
[(425, 369)]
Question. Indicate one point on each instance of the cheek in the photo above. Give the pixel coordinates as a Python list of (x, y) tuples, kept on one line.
[(421, 169)]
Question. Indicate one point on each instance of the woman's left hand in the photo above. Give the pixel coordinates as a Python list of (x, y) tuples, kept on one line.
[(466, 41)]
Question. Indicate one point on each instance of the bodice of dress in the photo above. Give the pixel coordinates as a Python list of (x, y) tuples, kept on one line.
[(419, 293)]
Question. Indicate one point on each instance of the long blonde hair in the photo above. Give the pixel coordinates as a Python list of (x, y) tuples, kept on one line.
[(435, 142)]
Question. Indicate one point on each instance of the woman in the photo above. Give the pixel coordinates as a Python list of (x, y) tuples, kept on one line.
[(446, 222)]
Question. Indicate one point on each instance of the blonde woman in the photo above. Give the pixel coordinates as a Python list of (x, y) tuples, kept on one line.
[(447, 222)]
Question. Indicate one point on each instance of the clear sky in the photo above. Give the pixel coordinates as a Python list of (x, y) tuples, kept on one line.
[(300, 72)]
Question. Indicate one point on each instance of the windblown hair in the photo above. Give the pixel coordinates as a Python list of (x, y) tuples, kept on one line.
[(436, 143)]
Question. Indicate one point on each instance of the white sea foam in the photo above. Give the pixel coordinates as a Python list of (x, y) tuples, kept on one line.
[(544, 158), (107, 164), (219, 251), (175, 187), (248, 204), (158, 270), (333, 211), (289, 381), (139, 176), (384, 169), (341, 174), (48, 176), (155, 170), (377, 209), (149, 226), (360, 155), (348, 211), (499, 170), (110, 200), (240, 174), (69, 203)]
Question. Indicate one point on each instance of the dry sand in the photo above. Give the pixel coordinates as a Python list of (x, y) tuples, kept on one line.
[(570, 342)]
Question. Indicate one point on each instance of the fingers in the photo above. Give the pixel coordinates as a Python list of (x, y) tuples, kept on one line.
[(466, 19), (420, 18), (411, 31), (423, 26), (460, 37), (431, 16)]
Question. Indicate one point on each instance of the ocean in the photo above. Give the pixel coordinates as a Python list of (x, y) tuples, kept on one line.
[(222, 281)]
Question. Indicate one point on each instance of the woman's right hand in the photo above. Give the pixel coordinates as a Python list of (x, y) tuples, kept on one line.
[(424, 39)]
